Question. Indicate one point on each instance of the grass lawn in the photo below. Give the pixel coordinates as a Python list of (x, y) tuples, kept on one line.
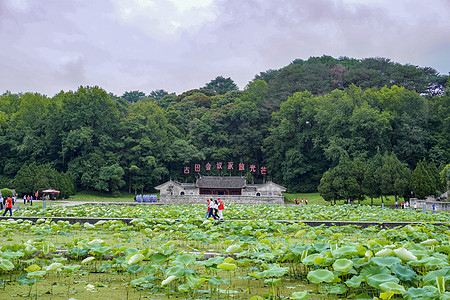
[(99, 196), (315, 198)]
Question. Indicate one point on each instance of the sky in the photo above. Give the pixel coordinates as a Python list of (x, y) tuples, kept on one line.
[(47, 46)]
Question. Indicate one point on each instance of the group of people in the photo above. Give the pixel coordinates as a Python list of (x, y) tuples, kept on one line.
[(28, 199), (404, 205), (214, 209), (301, 201)]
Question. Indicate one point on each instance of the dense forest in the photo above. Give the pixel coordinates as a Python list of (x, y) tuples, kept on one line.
[(300, 122)]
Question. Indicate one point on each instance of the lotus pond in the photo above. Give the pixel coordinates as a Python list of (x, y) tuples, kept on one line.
[(194, 258), (242, 212)]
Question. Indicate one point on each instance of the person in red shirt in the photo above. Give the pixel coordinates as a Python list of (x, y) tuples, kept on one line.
[(8, 205), (220, 208)]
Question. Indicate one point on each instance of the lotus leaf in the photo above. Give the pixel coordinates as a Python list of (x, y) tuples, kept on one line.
[(427, 292), (296, 296), (35, 274), (32, 268), (261, 298), (273, 271), (342, 265), (376, 280), (435, 263), (392, 287), (229, 260), (136, 258), (404, 254), (385, 261), (430, 277), (309, 260), (133, 269), (96, 242), (404, 273), (319, 247), (345, 251), (420, 262), (54, 266), (429, 242), (6, 265), (70, 269), (321, 275), (385, 252), (211, 261), (176, 270), (227, 266), (158, 257), (87, 259), (184, 259), (354, 282), (338, 289), (168, 280)]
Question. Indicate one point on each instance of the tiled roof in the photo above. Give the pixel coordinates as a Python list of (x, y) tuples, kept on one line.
[(225, 182)]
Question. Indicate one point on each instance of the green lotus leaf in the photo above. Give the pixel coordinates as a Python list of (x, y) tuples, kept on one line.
[(385, 252), (87, 259), (392, 287), (24, 280), (343, 265), (136, 258), (158, 257), (319, 260), (321, 275), (184, 259), (321, 246), (13, 255), (54, 266), (345, 251), (404, 254), (133, 269), (211, 261), (266, 256), (420, 262), (429, 242), (373, 270), (6, 265), (435, 263), (354, 282), (233, 248), (337, 289), (176, 270), (229, 260), (35, 274), (363, 296), (33, 268), (378, 279), (404, 273), (430, 277), (385, 261), (309, 260), (168, 280), (297, 296), (273, 271), (70, 269), (427, 292), (96, 242), (227, 266)]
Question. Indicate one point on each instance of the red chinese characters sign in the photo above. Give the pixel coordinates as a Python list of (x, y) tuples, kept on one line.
[(230, 165)]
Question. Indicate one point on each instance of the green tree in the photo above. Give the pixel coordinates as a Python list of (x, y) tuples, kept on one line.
[(133, 96), (326, 189), (221, 85)]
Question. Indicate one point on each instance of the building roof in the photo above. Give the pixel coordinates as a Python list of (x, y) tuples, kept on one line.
[(225, 182)]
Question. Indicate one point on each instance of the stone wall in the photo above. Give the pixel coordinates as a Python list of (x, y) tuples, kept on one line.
[(201, 199), (440, 205)]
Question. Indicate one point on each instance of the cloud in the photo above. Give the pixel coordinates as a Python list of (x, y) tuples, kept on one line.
[(166, 19)]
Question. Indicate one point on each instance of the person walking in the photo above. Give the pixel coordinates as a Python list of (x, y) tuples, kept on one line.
[(24, 199), (208, 207), (8, 205), (221, 208), (306, 201)]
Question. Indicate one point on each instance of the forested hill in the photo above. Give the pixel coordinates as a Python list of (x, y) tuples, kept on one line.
[(298, 122)]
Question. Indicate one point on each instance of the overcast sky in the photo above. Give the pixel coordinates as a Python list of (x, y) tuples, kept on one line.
[(123, 45)]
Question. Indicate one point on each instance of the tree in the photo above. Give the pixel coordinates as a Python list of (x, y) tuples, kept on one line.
[(221, 85), (326, 189), (133, 96), (422, 182), (158, 94), (110, 179)]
